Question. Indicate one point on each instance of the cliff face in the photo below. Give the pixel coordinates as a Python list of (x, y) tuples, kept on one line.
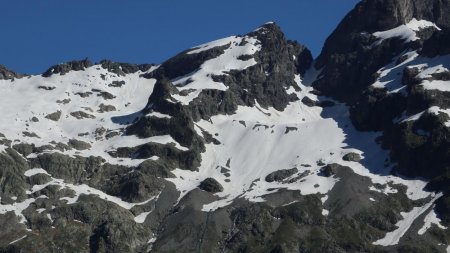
[(244, 144), (393, 71), (349, 58)]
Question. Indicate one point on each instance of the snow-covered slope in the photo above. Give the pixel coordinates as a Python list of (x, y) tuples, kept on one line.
[(86, 106), (256, 142)]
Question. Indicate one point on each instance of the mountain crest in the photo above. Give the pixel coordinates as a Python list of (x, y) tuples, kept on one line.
[(6, 74)]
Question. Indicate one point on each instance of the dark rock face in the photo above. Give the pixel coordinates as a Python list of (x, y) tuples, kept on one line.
[(211, 185), (424, 155), (188, 160), (79, 145), (437, 44), (274, 72), (183, 63), (350, 61), (122, 69), (11, 176), (286, 227), (329, 170), (63, 68)]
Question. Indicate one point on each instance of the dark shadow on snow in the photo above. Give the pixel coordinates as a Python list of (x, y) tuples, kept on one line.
[(127, 119)]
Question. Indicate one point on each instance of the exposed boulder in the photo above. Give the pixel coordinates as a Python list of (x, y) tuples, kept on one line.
[(280, 175), (106, 95), (211, 185), (329, 170), (352, 157), (84, 94), (106, 108), (55, 116), (79, 145), (309, 102), (30, 134), (116, 84), (82, 115)]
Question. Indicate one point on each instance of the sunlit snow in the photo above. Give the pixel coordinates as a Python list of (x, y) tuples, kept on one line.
[(407, 32)]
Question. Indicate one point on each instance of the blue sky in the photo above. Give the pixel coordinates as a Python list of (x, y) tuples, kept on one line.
[(38, 34)]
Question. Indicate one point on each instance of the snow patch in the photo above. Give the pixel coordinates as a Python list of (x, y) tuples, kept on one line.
[(158, 115), (141, 217), (436, 110), (436, 85), (432, 110), (21, 238), (430, 219), (86, 190), (406, 32), (392, 238), (388, 76), (35, 171), (212, 44), (387, 190), (17, 208)]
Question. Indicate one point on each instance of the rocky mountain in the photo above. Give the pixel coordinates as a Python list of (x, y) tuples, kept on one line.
[(244, 144)]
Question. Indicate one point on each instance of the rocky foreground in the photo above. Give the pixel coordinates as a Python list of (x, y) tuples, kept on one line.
[(244, 144)]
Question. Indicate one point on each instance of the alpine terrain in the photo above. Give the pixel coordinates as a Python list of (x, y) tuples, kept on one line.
[(243, 144)]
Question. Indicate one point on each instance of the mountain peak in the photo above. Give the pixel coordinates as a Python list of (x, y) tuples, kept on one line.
[(271, 25), (258, 66), (268, 29)]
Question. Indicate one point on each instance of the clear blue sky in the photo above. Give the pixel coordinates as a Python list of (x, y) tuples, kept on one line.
[(38, 34)]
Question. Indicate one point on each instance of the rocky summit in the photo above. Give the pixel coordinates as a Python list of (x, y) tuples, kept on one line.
[(243, 144)]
